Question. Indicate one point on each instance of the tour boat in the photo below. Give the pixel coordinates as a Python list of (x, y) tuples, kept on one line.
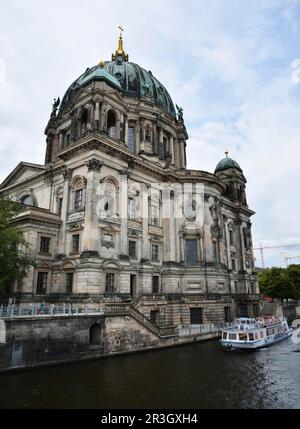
[(254, 333)]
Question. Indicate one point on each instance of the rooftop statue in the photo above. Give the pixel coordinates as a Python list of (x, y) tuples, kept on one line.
[(180, 113)]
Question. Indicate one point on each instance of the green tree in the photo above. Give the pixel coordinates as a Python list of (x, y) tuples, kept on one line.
[(293, 272), (277, 283), (14, 263)]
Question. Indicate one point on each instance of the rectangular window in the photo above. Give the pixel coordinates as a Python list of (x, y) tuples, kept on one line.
[(110, 283), (131, 135), (196, 316), (69, 283), (75, 243), (78, 199), (131, 208), (155, 252), (191, 249), (132, 249), (154, 316), (232, 336), (243, 337), (45, 245), (155, 284), (154, 215), (233, 264), (41, 286)]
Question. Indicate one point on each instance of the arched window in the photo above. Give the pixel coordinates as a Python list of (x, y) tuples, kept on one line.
[(111, 124), (95, 335), (27, 200)]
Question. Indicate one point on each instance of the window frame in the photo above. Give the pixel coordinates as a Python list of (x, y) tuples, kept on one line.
[(45, 249), (196, 260), (155, 255), (42, 278)]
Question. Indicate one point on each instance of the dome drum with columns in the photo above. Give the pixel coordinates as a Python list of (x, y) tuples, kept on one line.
[(99, 227)]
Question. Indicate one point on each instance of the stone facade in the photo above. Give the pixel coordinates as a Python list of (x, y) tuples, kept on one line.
[(115, 215)]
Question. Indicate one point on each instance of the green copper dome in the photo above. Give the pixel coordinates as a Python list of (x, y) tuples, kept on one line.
[(227, 163), (130, 78)]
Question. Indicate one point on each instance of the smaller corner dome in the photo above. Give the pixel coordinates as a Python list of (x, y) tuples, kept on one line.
[(98, 73), (227, 163)]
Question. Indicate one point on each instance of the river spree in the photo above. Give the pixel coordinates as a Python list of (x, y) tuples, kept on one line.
[(194, 376)]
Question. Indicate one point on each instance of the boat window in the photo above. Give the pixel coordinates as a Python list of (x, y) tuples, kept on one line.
[(232, 336), (224, 335), (242, 337), (256, 335), (251, 337), (261, 334)]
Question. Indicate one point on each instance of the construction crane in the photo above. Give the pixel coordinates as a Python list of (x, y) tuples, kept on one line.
[(287, 258), (261, 249)]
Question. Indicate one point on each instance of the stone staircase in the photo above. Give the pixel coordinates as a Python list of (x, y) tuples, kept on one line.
[(129, 309)]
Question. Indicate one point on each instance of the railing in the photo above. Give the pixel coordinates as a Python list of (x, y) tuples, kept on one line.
[(49, 310), (207, 328)]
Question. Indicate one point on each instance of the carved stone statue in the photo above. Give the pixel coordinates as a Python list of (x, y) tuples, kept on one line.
[(180, 113), (55, 105), (168, 159)]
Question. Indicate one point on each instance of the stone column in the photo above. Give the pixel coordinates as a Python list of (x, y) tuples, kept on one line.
[(182, 160), (171, 144), (118, 128), (142, 135), (91, 116), (161, 142), (137, 137), (97, 125), (61, 141), (123, 203), (154, 139), (62, 239), (169, 228), (145, 218), (90, 238), (126, 131)]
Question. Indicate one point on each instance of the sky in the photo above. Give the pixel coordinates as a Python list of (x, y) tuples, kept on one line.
[(232, 65)]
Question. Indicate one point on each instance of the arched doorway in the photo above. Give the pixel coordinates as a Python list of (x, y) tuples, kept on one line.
[(95, 335)]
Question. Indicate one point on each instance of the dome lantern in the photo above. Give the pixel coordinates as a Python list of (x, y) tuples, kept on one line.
[(227, 163), (120, 55)]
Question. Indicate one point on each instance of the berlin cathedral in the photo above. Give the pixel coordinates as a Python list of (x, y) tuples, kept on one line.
[(115, 215)]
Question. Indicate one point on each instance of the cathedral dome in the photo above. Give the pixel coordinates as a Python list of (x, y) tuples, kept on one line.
[(133, 80), (227, 163)]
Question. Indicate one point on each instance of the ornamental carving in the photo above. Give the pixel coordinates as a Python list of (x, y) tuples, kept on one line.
[(107, 241), (67, 174), (75, 226), (215, 230), (94, 165)]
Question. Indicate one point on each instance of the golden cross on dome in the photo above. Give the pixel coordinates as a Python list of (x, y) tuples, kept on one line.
[(120, 50)]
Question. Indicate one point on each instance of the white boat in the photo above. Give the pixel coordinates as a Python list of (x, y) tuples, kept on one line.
[(254, 333)]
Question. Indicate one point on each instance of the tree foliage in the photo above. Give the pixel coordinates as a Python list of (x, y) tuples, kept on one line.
[(14, 262), (283, 283)]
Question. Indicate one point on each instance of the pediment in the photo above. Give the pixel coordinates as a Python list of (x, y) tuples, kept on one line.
[(23, 171)]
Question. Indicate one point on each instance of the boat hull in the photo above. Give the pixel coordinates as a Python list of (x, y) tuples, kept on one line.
[(254, 345)]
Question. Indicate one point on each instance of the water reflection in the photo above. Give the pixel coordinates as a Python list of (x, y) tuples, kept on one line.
[(195, 376)]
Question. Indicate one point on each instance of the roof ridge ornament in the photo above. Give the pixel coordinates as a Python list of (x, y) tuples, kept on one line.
[(120, 54)]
